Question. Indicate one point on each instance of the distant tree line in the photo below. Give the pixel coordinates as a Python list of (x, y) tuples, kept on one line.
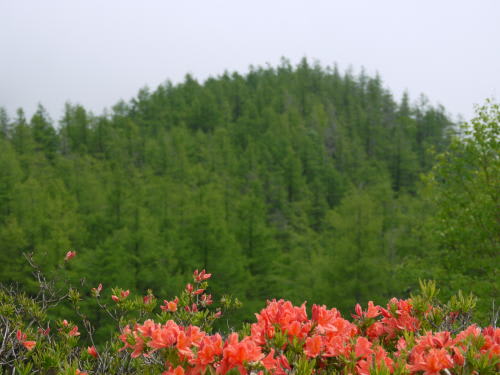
[(295, 182)]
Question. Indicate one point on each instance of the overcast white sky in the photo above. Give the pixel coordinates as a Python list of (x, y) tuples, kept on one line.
[(95, 52)]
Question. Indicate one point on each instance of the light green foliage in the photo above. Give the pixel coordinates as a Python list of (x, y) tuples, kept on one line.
[(452, 316), (465, 187)]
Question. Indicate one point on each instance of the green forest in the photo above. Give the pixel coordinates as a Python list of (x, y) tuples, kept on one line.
[(298, 182)]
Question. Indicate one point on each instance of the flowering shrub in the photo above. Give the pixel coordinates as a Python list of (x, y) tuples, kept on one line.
[(285, 341), (31, 343), (419, 335)]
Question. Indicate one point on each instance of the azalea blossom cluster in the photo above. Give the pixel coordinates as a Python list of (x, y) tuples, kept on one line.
[(66, 328), (284, 340), (399, 339)]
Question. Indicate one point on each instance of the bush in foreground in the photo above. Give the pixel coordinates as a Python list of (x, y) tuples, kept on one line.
[(419, 335)]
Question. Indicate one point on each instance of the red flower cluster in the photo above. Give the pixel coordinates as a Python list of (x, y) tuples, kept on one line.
[(150, 336), (434, 353), (380, 340), (201, 276), (123, 295), (69, 329), (21, 337), (387, 323)]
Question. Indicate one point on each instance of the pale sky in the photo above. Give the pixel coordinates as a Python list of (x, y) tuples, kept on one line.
[(96, 52)]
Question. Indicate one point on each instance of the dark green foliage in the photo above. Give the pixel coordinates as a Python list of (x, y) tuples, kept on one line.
[(286, 182)]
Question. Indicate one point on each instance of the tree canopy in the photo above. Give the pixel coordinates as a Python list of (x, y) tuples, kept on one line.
[(294, 182)]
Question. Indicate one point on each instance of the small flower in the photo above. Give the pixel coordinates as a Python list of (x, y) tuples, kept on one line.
[(363, 347), (44, 332), (20, 336), (29, 344), (359, 312), (201, 276), (70, 254), (65, 323), (97, 291), (313, 346), (170, 305), (78, 372), (92, 351), (147, 299), (74, 331), (206, 299), (115, 298), (125, 293)]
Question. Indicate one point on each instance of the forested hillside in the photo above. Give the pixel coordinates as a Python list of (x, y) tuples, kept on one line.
[(295, 182)]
